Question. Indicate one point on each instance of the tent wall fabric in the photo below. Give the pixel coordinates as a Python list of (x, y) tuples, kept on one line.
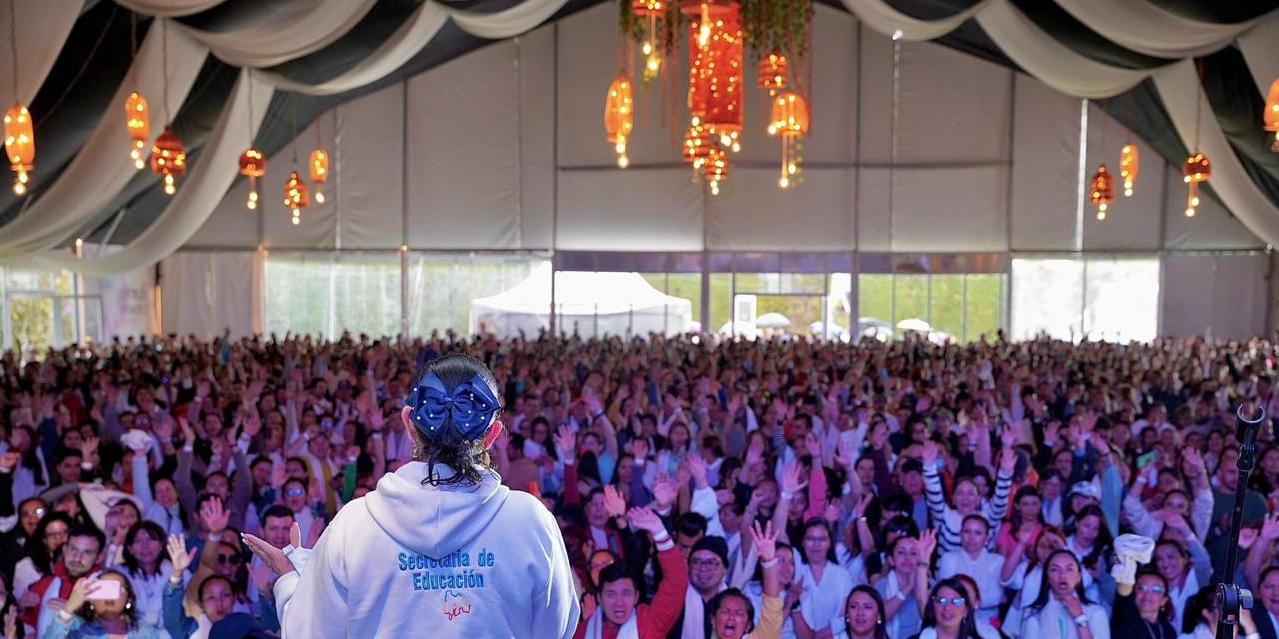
[(988, 169)]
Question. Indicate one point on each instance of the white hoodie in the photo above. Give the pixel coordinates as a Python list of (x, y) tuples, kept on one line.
[(425, 561)]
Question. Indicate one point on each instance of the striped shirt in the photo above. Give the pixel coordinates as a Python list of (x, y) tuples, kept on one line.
[(948, 522)]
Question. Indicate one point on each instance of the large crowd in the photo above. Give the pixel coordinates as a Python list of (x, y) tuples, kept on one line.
[(704, 489)]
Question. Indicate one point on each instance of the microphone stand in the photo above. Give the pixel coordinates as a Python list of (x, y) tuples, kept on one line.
[(1230, 595)]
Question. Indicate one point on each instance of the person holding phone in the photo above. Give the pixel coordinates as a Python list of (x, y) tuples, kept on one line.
[(101, 605)]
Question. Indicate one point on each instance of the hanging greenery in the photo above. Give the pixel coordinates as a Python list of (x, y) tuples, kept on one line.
[(767, 26), (776, 26)]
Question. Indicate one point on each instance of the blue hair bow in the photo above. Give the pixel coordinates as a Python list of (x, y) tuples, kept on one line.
[(462, 414)]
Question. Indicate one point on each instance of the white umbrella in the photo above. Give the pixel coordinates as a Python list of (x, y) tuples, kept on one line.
[(772, 320), (914, 324)]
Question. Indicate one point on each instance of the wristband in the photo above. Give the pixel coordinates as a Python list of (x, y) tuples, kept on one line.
[(1081, 621), (661, 537), (787, 496), (770, 563), (176, 580), (64, 616), (899, 596)]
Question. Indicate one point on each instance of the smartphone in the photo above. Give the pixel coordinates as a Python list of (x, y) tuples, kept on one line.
[(1147, 459), (104, 590)]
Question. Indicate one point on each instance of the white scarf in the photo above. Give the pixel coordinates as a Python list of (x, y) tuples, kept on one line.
[(695, 613), (595, 627)]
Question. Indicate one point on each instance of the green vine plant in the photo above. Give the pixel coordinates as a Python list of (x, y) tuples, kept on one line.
[(767, 26)]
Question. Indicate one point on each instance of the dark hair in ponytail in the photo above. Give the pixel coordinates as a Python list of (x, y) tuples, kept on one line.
[(467, 459)]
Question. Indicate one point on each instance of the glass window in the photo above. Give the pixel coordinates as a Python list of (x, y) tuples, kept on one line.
[(1047, 298), (910, 299), (1121, 300), (983, 305), (299, 293), (683, 285), (444, 289), (946, 306), (721, 301), (366, 293)]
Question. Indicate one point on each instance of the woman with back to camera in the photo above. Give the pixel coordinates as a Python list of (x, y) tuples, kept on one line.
[(441, 548)]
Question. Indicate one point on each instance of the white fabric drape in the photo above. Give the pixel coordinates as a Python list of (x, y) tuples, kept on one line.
[(416, 32), (884, 19), (1039, 53), (302, 29), (1143, 26), (1260, 47), (407, 40), (197, 196), (41, 28), (168, 8), (102, 168), (1179, 89)]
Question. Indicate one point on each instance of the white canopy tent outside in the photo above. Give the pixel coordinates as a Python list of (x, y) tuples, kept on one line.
[(586, 304)]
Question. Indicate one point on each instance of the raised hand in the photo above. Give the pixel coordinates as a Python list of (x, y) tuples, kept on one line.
[(765, 540), (614, 504), (832, 512), (1007, 460), (272, 557), (646, 520), (697, 470), (179, 556), (791, 479), (863, 503), (927, 542), (846, 454), (214, 516), (1270, 527), (79, 594), (11, 623), (664, 493), (566, 442)]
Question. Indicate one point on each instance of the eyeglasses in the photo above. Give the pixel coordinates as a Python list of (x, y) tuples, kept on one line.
[(1155, 589), (949, 601), (295, 492), (55, 534), (705, 563), (34, 514), (228, 559)]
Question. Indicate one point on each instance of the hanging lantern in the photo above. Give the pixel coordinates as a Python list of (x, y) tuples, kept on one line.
[(650, 10), (619, 117), (1271, 114), (1129, 165), (20, 145), (138, 123), (169, 159), (715, 169), (697, 146), (319, 172), (1197, 170), (295, 196), (717, 70), (253, 166), (789, 121), (1102, 190), (772, 73)]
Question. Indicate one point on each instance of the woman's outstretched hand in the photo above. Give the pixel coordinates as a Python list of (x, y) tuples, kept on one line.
[(271, 556)]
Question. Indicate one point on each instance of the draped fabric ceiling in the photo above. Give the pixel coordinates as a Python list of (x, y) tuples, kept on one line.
[(1181, 74)]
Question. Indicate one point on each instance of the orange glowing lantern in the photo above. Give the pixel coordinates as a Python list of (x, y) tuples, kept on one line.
[(253, 166), (1129, 165), (1102, 190), (1271, 114), (650, 10), (138, 123), (20, 145), (789, 121), (319, 172), (697, 146), (619, 117), (715, 169), (169, 159), (295, 196), (772, 73), (1196, 171), (716, 70)]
